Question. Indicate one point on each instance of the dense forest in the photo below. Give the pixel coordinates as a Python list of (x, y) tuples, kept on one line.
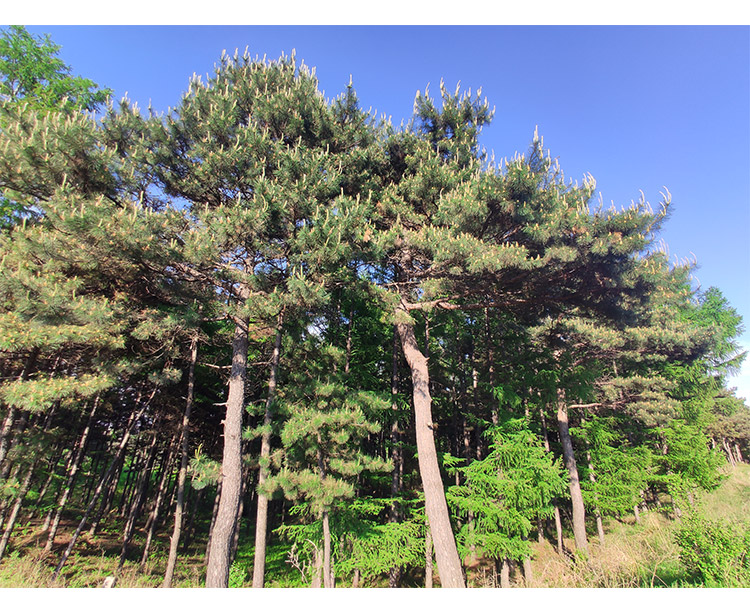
[(304, 347)]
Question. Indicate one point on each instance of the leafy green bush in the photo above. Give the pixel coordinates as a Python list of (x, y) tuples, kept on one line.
[(237, 575), (714, 552)]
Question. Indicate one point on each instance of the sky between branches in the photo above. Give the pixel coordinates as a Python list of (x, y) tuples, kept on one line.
[(639, 108)]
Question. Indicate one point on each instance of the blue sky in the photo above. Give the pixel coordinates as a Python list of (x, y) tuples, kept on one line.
[(637, 107)]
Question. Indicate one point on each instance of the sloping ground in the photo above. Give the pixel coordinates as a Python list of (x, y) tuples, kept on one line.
[(633, 555), (643, 554)]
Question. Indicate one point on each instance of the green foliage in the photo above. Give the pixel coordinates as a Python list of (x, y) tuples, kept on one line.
[(506, 492), (31, 71), (622, 471), (717, 553), (689, 462)]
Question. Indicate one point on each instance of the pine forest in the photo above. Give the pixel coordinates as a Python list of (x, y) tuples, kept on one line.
[(267, 339)]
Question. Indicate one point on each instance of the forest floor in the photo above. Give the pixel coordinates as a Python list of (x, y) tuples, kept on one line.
[(633, 554)]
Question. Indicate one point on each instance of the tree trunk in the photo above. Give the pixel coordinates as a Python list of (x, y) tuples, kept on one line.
[(327, 570), (135, 416), (597, 514), (185, 458), (505, 573), (558, 522), (7, 429), (579, 515), (737, 453), (394, 574), (16, 509), (137, 500), (428, 557), (214, 512), (728, 451), (261, 517), (446, 553), (317, 577), (161, 492), (219, 560), (528, 572)]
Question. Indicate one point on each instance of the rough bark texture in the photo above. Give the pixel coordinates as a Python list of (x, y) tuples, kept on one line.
[(444, 543), (261, 517), (185, 458), (579, 515), (219, 559)]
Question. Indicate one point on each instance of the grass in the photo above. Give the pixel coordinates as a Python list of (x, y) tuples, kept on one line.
[(633, 555)]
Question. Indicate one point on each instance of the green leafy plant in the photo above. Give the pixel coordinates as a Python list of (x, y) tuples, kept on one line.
[(714, 552)]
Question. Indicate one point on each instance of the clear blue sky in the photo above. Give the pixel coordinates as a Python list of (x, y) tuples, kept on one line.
[(639, 108)]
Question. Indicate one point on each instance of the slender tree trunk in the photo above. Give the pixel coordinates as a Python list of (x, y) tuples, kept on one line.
[(135, 416), (7, 429), (317, 577), (558, 522), (16, 509), (597, 514), (349, 341), (137, 500), (219, 560), (261, 517), (161, 493), (636, 512), (327, 571), (528, 572), (109, 491), (579, 515), (737, 453), (446, 553), (490, 366), (505, 573), (394, 574), (185, 458), (728, 451)]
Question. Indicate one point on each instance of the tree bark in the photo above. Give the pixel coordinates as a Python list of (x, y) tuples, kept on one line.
[(135, 416), (161, 491), (428, 558), (327, 570), (16, 509), (574, 486), (394, 574), (446, 553), (558, 522), (137, 500), (7, 429), (185, 458), (505, 573), (219, 560), (261, 517)]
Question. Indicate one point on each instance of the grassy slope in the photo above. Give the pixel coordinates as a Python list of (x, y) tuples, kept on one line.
[(642, 555)]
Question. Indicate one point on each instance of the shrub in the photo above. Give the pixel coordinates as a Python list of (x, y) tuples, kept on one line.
[(714, 552)]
